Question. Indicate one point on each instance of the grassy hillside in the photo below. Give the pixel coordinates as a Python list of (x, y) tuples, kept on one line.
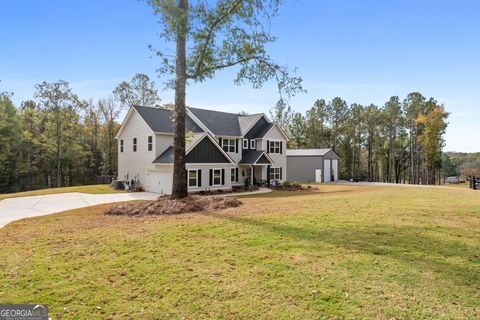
[(337, 252), (92, 189)]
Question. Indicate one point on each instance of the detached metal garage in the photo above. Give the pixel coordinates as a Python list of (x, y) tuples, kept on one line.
[(312, 165)]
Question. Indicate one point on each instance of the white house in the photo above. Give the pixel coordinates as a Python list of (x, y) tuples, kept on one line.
[(223, 149)]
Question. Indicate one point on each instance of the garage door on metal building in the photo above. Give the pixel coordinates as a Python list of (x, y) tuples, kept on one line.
[(327, 171)]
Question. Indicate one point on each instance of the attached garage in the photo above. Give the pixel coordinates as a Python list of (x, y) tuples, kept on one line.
[(312, 165), (159, 181)]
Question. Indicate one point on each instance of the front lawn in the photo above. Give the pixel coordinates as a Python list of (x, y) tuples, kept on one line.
[(92, 189), (336, 252)]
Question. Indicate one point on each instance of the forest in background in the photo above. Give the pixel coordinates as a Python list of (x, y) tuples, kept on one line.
[(59, 139), (399, 142)]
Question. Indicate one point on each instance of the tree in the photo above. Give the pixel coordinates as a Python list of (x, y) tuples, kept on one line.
[(316, 119), (57, 100), (413, 106), (139, 91), (222, 35), (10, 141), (431, 139), (337, 112), (393, 120), (371, 118), (110, 112), (282, 114), (297, 131)]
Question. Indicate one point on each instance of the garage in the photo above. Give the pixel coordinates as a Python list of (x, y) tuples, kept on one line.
[(159, 182), (312, 165)]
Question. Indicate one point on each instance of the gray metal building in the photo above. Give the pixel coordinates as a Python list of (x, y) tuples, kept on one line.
[(312, 165)]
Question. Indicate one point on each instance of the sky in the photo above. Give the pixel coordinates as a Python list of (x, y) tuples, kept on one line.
[(363, 51)]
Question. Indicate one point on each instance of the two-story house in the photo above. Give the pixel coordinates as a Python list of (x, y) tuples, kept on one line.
[(222, 150)]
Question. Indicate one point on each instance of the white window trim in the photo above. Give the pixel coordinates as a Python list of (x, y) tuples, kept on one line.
[(271, 149), (196, 178), (149, 144), (253, 144), (274, 174), (245, 143), (234, 145), (233, 175), (213, 177)]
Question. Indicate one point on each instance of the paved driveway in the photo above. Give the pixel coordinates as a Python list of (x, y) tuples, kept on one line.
[(24, 207)]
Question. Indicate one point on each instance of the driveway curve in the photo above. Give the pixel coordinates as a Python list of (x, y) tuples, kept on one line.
[(13, 209)]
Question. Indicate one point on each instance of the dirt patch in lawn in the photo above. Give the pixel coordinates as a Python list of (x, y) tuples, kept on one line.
[(165, 206)]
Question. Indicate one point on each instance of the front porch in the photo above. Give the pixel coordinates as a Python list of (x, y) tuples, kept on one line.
[(256, 175)]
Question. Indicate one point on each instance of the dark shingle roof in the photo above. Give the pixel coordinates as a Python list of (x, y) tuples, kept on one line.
[(264, 130), (160, 120), (251, 156), (220, 123), (166, 156)]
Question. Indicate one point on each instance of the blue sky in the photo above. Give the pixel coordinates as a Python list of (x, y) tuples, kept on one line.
[(364, 51)]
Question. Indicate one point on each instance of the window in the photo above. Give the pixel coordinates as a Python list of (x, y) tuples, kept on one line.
[(275, 174), (134, 144), (245, 143), (150, 143), (229, 145), (217, 177), (192, 178), (121, 145), (274, 147), (252, 144), (234, 174)]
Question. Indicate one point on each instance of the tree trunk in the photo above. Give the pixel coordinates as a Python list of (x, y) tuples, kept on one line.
[(179, 189), (59, 174)]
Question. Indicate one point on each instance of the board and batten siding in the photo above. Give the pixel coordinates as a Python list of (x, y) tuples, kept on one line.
[(279, 160), (135, 164)]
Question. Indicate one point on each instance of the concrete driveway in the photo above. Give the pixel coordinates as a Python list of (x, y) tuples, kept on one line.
[(25, 207)]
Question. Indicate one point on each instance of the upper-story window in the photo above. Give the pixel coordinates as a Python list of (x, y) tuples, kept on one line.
[(245, 143), (274, 147), (252, 144), (229, 145), (150, 143), (121, 145), (134, 144)]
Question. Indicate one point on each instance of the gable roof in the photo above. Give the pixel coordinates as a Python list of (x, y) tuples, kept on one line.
[(246, 122), (161, 120), (308, 152), (168, 155), (219, 123), (252, 157)]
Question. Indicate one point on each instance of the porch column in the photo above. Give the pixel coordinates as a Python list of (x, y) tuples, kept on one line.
[(268, 175), (252, 175)]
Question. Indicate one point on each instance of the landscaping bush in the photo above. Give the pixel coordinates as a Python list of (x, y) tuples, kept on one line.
[(164, 205), (291, 186)]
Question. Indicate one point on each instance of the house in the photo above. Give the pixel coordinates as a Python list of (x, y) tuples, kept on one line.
[(312, 165), (222, 149)]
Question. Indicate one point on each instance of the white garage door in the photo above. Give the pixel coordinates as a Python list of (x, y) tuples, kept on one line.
[(159, 182), (335, 169), (326, 171)]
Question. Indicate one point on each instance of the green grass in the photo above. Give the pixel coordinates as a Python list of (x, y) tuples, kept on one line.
[(339, 252), (92, 189)]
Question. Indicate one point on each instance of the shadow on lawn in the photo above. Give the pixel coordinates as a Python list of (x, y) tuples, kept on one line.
[(406, 244)]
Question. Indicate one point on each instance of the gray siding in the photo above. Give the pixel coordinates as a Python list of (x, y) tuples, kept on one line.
[(302, 168), (206, 152)]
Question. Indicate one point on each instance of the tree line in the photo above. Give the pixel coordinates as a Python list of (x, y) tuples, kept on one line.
[(58, 139), (399, 142)]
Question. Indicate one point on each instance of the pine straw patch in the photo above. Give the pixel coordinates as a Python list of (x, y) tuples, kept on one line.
[(164, 206)]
